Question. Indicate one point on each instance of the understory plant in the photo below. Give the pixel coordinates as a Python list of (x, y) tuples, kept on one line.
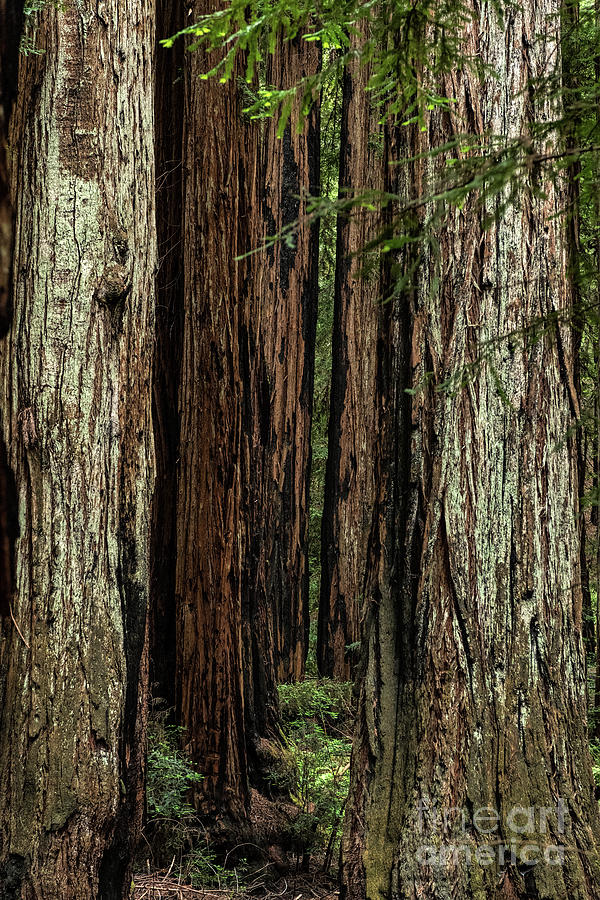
[(317, 722), (174, 833)]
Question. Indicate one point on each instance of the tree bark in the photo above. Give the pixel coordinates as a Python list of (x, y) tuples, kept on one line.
[(571, 33), (472, 694), (211, 531), (11, 23), (168, 348), (349, 485), (284, 318), (75, 377)]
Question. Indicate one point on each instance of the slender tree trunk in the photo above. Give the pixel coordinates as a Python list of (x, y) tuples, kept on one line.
[(211, 530), (11, 22), (349, 485), (258, 613), (596, 713), (75, 377), (597, 426), (285, 317), (168, 347), (473, 692), (571, 32)]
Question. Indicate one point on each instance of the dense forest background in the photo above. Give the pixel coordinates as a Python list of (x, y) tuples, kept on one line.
[(299, 449)]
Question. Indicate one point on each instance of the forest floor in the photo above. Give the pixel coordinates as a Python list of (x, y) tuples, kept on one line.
[(294, 823), (307, 775), (307, 886)]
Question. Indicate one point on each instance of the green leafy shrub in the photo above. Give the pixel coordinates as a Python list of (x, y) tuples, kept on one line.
[(174, 832), (203, 869), (595, 750), (316, 699), (315, 762), (170, 774)]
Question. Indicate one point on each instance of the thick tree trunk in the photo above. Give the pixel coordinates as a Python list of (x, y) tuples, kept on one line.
[(473, 692), (11, 22), (284, 318), (168, 346), (211, 531), (75, 378), (349, 485)]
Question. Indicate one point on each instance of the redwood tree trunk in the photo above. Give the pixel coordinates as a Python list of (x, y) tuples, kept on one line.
[(473, 692), (11, 22), (75, 379), (167, 349), (211, 532), (284, 318), (349, 484)]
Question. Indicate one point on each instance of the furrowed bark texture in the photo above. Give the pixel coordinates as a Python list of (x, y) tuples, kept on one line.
[(473, 693), (11, 22), (75, 377), (572, 52), (285, 321), (168, 346), (210, 531), (349, 485), (259, 443)]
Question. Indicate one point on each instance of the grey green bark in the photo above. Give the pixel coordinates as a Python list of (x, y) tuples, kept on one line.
[(11, 23), (472, 693), (75, 382)]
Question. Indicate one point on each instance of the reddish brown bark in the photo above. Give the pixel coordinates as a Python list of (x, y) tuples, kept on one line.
[(284, 323), (211, 532), (168, 106), (349, 484)]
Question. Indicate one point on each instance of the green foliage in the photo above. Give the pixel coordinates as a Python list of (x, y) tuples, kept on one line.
[(409, 47), (595, 750), (170, 775), (405, 36), (174, 832), (312, 768), (315, 764), (252, 29), (315, 700), (202, 869), (31, 11)]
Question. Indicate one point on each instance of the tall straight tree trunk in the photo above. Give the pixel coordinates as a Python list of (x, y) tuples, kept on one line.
[(473, 694), (11, 24), (596, 451), (349, 485), (211, 529), (75, 378), (285, 317), (168, 345), (572, 53)]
